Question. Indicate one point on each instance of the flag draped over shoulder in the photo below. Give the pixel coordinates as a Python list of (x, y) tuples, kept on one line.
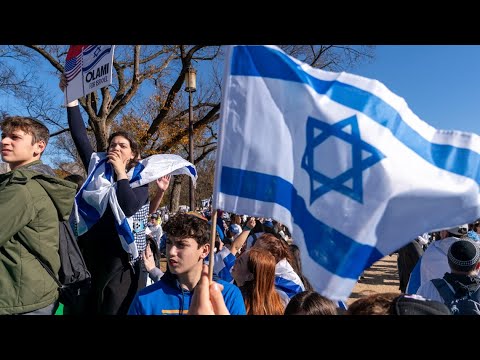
[(99, 190), (340, 160), (287, 280), (223, 264)]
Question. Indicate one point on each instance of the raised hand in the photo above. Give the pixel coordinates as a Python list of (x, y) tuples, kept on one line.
[(162, 185), (207, 298), (148, 259), (63, 82), (117, 162), (163, 182), (63, 86)]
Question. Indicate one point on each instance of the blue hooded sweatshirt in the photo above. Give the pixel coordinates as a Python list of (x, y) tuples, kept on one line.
[(166, 297)]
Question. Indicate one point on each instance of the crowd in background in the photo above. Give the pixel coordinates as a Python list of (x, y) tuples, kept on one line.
[(257, 266)]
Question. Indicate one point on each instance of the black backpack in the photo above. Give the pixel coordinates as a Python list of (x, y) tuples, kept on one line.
[(74, 278), (459, 303)]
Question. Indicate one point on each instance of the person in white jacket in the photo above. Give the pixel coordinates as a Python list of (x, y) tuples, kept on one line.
[(434, 263)]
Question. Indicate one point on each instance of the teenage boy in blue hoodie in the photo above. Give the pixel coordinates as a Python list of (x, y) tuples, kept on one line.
[(188, 243)]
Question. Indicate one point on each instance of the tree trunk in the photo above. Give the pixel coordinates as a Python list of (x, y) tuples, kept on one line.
[(101, 135), (176, 191)]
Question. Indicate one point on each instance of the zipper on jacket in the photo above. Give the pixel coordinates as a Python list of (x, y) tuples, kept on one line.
[(182, 302)]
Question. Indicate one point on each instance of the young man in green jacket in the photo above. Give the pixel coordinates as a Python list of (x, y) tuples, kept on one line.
[(32, 200)]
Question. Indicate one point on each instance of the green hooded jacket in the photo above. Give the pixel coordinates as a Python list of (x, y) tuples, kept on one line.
[(31, 204)]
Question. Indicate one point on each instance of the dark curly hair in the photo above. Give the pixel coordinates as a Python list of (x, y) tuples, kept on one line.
[(133, 146), (188, 225)]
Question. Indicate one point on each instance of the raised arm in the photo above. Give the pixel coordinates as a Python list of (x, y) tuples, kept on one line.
[(162, 186), (240, 239), (77, 128)]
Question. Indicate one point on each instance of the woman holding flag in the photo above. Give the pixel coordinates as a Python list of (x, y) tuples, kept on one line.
[(111, 211)]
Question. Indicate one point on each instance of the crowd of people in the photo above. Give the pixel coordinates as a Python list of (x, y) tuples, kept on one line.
[(257, 267)]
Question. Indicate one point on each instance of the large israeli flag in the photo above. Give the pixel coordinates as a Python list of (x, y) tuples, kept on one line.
[(340, 160)]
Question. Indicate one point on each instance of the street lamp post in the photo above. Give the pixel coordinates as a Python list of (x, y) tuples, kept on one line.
[(190, 87)]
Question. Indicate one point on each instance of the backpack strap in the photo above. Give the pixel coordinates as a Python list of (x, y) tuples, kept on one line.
[(49, 271), (444, 290), (473, 294), (460, 290)]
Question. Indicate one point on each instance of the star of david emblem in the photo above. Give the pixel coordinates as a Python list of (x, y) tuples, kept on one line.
[(97, 51), (348, 181)]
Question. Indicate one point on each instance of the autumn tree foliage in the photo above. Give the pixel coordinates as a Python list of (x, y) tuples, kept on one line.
[(147, 97)]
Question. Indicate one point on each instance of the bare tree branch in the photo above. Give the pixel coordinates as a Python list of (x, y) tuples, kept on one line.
[(59, 132), (210, 117), (204, 154)]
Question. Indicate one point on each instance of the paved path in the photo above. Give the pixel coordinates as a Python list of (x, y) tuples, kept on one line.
[(380, 277)]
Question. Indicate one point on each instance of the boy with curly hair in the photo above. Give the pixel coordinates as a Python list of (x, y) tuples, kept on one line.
[(188, 244)]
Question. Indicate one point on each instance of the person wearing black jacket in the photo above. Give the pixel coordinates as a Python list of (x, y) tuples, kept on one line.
[(408, 257), (116, 276)]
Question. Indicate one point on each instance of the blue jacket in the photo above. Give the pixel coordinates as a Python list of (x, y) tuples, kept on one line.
[(166, 297)]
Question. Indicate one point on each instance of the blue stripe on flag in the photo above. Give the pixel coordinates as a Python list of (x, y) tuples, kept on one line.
[(342, 305), (325, 245), (192, 170), (225, 273), (414, 281), (137, 176), (125, 231), (287, 286), (87, 212), (270, 63), (99, 57)]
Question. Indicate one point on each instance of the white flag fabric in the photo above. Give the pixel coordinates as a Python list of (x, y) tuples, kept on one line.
[(223, 264), (432, 265), (340, 160), (287, 280), (87, 68), (99, 190)]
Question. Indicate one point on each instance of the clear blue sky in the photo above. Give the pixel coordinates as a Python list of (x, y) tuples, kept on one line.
[(441, 84)]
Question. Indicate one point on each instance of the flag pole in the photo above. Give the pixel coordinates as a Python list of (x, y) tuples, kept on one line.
[(212, 245)]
